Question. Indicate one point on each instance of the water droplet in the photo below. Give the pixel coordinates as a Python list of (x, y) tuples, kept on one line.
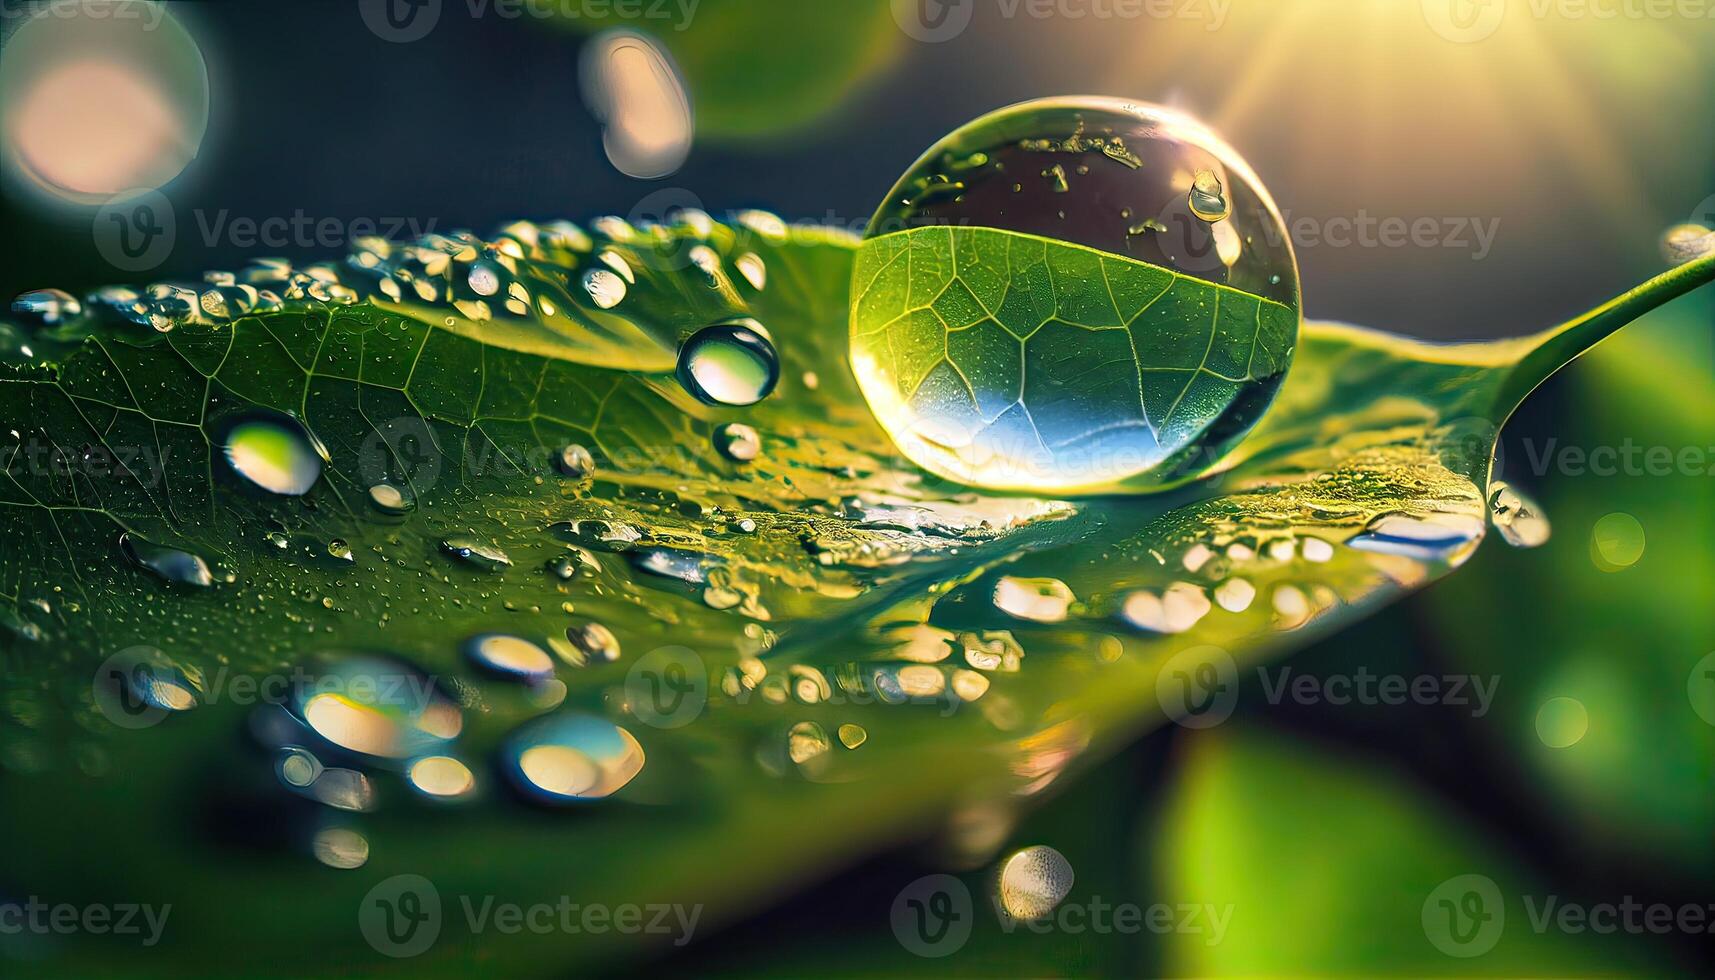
[(1517, 518), (481, 554), (1041, 600), (1616, 542), (1436, 537), (631, 84), (1178, 608), (1033, 882), (593, 644), (576, 462), (592, 533), (275, 452), (389, 499), (805, 742), (379, 708), (570, 758), (441, 777), (738, 442), (1235, 595), (340, 847), (605, 289), (509, 656), (169, 563), (729, 364), (152, 678), (751, 267), (852, 736), (47, 307), (1208, 199)]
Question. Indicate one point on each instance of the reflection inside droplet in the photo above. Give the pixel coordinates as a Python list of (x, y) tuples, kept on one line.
[(572, 757)]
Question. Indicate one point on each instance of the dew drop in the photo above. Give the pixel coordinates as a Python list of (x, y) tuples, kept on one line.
[(478, 553), (169, 563), (593, 643), (1437, 537), (605, 289), (1235, 595), (274, 452), (729, 364), (738, 442), (1518, 519), (1208, 199), (379, 708), (852, 736), (340, 847), (571, 758), (509, 656), (1040, 600), (1616, 542), (47, 307), (441, 777), (752, 268), (1032, 882), (576, 462), (1176, 609), (389, 499)]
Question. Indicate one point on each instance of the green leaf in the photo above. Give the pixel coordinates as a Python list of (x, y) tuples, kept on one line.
[(863, 585)]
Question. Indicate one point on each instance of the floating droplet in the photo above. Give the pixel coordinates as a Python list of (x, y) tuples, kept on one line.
[(47, 307), (169, 563), (390, 499), (631, 84), (1208, 199), (605, 289), (340, 847), (1033, 882), (481, 554), (729, 364), (1517, 518), (1616, 542), (1040, 600), (751, 267), (275, 452), (570, 758), (738, 442), (441, 777), (509, 656)]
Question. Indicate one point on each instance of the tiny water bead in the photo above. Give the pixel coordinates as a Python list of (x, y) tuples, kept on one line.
[(729, 364), (1074, 295), (275, 452)]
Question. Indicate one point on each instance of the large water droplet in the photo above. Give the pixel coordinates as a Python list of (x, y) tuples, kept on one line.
[(729, 364), (274, 452), (604, 287), (1040, 600), (570, 758), (169, 563)]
